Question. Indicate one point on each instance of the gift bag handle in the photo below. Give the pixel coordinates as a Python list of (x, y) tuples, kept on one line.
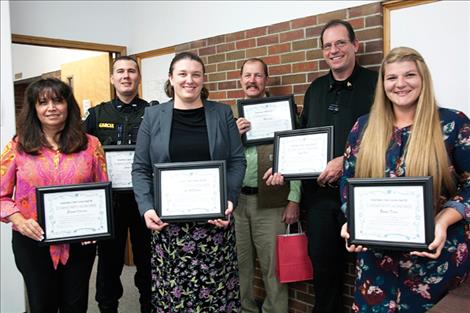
[(299, 228)]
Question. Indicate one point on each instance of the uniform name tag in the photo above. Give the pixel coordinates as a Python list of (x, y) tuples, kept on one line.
[(106, 125)]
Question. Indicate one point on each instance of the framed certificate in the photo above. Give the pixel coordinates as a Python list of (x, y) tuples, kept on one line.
[(119, 160), (391, 213), (190, 191), (267, 116), (70, 213), (302, 153)]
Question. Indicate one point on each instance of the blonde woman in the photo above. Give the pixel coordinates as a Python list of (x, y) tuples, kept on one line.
[(407, 134)]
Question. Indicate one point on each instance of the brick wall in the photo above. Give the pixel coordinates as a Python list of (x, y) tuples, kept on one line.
[(292, 51)]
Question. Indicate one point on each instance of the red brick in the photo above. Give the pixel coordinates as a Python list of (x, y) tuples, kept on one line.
[(357, 23), (299, 99), (305, 297), (274, 81), (313, 31), (367, 9), (272, 59), (233, 74), (326, 17), (211, 68), (236, 55), (256, 32), (305, 44), (216, 58), (206, 51), (297, 305), (227, 85), (315, 54), (256, 52), (293, 57), (369, 33), (312, 76), (280, 48), (371, 59), (267, 40), (211, 86), (218, 95), (235, 94), (301, 89), (183, 46), (279, 27), (304, 67), (374, 20), (215, 40), (225, 47), (218, 76), (292, 35), (304, 22), (198, 43), (280, 69), (294, 79), (226, 66), (298, 286), (231, 103), (247, 43), (236, 36), (280, 90), (374, 46)]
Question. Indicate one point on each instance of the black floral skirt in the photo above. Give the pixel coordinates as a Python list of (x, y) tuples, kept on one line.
[(194, 269)]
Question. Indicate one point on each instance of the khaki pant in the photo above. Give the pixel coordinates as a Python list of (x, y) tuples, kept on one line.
[(256, 230)]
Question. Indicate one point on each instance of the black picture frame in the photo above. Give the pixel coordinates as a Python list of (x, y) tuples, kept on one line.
[(60, 207), (307, 151), (392, 188), (122, 180), (264, 103), (171, 193)]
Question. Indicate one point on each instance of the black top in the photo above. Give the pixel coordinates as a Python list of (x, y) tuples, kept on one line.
[(339, 103), (189, 140), (115, 122)]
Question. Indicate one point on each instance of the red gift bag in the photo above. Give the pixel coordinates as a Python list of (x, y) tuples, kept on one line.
[(293, 262)]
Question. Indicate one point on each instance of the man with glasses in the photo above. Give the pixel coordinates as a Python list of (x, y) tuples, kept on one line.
[(262, 211), (337, 99)]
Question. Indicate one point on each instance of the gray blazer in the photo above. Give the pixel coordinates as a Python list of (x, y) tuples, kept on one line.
[(153, 147)]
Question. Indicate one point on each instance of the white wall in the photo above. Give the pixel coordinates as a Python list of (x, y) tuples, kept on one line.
[(440, 32), (107, 22), (148, 25), (33, 61), (11, 286), (166, 23)]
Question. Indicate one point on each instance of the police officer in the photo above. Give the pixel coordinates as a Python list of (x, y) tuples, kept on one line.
[(116, 123)]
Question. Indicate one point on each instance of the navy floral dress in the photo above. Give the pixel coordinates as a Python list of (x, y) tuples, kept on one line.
[(392, 281)]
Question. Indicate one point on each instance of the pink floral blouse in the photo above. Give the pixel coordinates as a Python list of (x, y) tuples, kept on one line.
[(21, 173)]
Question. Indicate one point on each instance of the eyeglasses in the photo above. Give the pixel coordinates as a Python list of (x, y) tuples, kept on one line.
[(338, 44)]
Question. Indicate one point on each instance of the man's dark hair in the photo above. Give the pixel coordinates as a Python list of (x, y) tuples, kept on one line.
[(265, 67), (30, 136), (169, 90), (126, 58), (332, 23)]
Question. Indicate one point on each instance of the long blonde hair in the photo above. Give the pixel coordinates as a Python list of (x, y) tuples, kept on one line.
[(425, 153)]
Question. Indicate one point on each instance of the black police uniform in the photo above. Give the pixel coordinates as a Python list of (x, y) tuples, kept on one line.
[(117, 123)]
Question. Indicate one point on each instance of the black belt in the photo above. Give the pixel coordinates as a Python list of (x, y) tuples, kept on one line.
[(249, 190)]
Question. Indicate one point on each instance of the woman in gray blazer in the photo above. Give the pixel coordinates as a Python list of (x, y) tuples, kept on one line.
[(193, 264)]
